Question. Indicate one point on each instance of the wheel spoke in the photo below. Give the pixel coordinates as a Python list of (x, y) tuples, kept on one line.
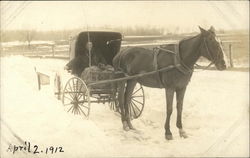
[(82, 111), (77, 88), (70, 108), (80, 87), (79, 96), (132, 107), (137, 101), (137, 96), (137, 90), (68, 98), (68, 88), (68, 92), (72, 90), (135, 106), (77, 82), (73, 111), (74, 86), (137, 112), (77, 111), (84, 106)]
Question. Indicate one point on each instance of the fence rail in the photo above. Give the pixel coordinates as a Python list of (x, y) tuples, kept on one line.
[(60, 49)]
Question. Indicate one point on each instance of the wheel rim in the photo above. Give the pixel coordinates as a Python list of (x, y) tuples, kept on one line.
[(136, 105), (76, 97)]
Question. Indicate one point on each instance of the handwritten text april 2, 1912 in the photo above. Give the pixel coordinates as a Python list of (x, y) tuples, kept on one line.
[(34, 149)]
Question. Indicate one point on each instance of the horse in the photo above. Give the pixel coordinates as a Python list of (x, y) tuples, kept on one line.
[(136, 60)]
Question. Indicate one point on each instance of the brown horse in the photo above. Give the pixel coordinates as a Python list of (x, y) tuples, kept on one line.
[(137, 60)]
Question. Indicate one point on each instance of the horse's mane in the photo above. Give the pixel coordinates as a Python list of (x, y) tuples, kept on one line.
[(187, 38)]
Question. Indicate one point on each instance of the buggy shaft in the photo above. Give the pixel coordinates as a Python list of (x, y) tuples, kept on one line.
[(133, 76)]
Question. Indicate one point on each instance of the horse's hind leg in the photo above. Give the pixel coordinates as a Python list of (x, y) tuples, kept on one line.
[(180, 97), (121, 88), (169, 97), (128, 93)]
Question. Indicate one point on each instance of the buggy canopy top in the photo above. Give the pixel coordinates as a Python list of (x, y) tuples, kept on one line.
[(108, 42)]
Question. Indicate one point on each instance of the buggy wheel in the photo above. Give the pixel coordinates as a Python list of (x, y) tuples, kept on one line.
[(136, 105), (76, 98), (137, 102), (57, 86)]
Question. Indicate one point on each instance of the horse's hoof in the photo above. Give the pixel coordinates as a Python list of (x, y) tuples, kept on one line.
[(183, 134), (125, 126), (169, 136)]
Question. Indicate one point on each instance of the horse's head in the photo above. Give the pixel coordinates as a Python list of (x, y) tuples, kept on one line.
[(212, 49)]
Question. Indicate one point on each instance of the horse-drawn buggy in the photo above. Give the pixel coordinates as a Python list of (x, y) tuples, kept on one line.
[(106, 76), (91, 81)]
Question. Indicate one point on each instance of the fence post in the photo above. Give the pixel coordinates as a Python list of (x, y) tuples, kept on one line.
[(39, 81), (231, 56)]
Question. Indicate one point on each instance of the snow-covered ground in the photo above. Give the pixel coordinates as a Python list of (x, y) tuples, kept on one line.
[(215, 116)]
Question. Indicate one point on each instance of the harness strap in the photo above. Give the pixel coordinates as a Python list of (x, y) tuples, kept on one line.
[(178, 62), (177, 56), (155, 65)]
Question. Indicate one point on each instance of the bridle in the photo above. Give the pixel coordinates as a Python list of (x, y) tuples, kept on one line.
[(213, 60)]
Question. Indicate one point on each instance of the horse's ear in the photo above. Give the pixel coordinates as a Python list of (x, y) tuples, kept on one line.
[(202, 30), (212, 29)]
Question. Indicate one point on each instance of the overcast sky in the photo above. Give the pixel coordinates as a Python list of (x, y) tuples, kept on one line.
[(59, 15)]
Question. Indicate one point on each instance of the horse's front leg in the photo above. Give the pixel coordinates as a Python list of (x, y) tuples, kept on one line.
[(121, 88), (169, 99), (128, 94), (180, 97)]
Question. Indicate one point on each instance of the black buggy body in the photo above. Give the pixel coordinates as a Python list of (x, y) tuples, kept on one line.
[(81, 90)]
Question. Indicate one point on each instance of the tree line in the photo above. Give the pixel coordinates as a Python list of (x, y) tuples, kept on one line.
[(30, 35)]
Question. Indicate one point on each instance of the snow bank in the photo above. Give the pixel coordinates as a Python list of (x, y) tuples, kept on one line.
[(215, 102)]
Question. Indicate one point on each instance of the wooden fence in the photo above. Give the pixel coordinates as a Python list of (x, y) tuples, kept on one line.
[(61, 49)]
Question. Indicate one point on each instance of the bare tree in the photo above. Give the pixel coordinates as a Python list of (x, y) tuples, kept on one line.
[(28, 36)]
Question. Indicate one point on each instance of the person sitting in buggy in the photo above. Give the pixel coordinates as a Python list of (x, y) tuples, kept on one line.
[(80, 62)]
